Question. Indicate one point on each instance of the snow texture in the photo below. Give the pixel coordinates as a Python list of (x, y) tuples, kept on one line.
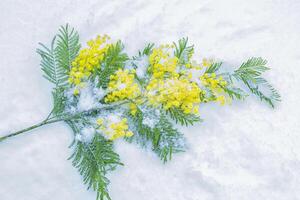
[(151, 116), (142, 65), (244, 151), (87, 134), (89, 97)]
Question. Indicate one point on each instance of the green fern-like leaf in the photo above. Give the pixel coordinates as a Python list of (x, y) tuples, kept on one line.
[(167, 140), (252, 69), (164, 139), (213, 68), (59, 101), (180, 117), (182, 51), (67, 46), (143, 133), (94, 160), (147, 50), (234, 92), (50, 67), (57, 59), (114, 59), (250, 74)]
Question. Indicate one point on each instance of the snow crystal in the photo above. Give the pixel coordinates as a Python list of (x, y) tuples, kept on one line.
[(71, 101), (87, 134), (142, 65), (78, 137), (71, 109), (86, 101), (149, 121), (69, 94), (89, 97), (179, 143), (99, 93), (151, 116)]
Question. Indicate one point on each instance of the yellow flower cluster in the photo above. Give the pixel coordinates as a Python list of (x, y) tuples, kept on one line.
[(114, 130), (161, 62), (207, 62), (215, 84), (122, 86), (193, 65), (169, 85), (88, 59), (132, 108), (212, 81), (174, 92)]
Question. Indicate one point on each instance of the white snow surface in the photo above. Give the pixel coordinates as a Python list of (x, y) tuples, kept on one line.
[(244, 151)]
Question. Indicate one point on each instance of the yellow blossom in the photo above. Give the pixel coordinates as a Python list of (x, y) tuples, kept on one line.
[(122, 86), (162, 63), (100, 121), (88, 59), (193, 65), (133, 108), (221, 99), (174, 92), (207, 62), (76, 91), (212, 81), (114, 130), (215, 84)]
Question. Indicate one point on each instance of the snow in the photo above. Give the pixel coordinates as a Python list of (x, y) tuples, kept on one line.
[(89, 97), (244, 151), (99, 93), (87, 134), (151, 117), (112, 118), (142, 64)]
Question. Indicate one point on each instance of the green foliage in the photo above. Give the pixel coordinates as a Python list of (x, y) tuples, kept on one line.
[(143, 133), (57, 59), (94, 160), (234, 92), (114, 59), (67, 46), (58, 101), (250, 74), (165, 140), (213, 68), (147, 50), (180, 117), (49, 63), (182, 51)]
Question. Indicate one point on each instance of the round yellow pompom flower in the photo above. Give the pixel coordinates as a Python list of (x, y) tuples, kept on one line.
[(122, 86), (88, 59)]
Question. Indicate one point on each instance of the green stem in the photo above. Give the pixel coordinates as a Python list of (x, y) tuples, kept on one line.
[(45, 122), (52, 119)]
